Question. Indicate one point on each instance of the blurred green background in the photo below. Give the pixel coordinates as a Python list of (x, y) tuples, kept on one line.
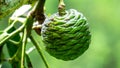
[(104, 20)]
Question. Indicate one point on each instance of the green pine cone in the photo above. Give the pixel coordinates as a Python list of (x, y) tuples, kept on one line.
[(66, 37)]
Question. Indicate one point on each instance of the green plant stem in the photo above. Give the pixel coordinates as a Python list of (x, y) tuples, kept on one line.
[(61, 8), (23, 47), (5, 33), (10, 26), (27, 33), (7, 36), (14, 42), (39, 50)]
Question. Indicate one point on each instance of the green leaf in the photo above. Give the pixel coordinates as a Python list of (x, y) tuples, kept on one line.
[(29, 64), (3, 36), (1, 32), (1, 54), (12, 48)]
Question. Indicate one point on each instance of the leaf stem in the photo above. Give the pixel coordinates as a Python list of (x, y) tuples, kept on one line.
[(10, 26), (61, 8), (24, 41), (39, 50)]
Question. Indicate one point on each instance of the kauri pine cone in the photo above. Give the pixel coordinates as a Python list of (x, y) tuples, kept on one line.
[(66, 37)]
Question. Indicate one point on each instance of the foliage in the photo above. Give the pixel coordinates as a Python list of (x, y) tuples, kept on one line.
[(15, 43), (104, 49)]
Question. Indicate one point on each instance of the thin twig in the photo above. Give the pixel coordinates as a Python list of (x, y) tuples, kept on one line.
[(61, 8), (23, 48)]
